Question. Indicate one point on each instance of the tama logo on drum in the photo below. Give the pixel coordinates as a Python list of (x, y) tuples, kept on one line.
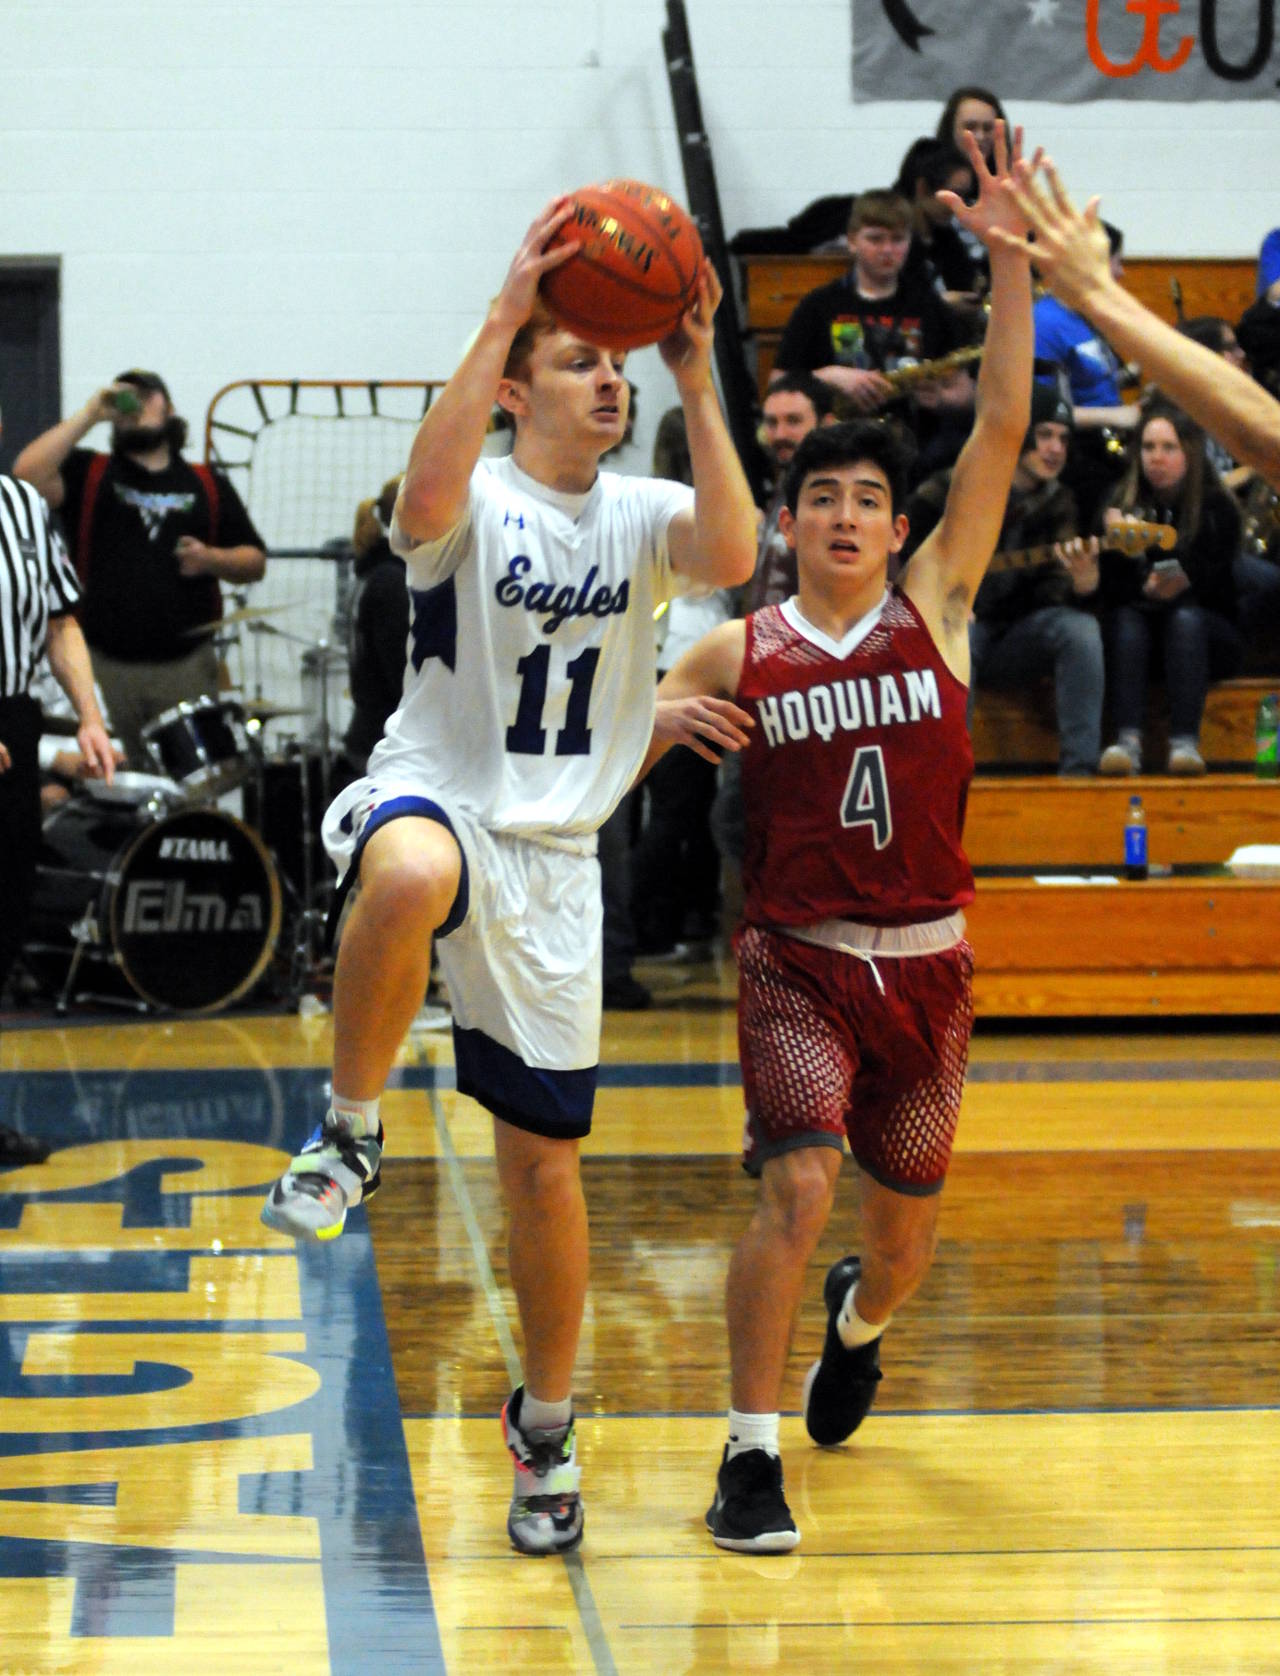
[(166, 905), (175, 848)]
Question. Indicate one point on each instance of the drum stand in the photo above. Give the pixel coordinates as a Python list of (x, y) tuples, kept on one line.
[(88, 935), (307, 959)]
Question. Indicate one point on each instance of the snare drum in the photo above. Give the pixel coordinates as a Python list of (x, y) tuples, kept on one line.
[(185, 909), (201, 745)]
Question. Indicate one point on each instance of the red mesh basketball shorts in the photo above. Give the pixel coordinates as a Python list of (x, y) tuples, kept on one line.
[(826, 1054)]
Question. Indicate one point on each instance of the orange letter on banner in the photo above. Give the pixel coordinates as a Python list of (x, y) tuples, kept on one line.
[(1149, 52)]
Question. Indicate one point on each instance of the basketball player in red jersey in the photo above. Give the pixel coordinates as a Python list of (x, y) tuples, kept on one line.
[(855, 1003)]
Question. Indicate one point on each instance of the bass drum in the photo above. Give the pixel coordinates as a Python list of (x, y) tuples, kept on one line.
[(184, 908)]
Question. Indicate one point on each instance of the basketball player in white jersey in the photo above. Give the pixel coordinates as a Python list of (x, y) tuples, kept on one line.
[(527, 709)]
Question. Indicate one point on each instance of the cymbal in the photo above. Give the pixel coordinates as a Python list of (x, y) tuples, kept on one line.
[(246, 614)]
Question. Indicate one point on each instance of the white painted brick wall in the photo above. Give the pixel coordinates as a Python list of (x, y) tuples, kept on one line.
[(333, 187)]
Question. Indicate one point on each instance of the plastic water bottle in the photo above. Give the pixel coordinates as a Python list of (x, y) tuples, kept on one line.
[(1135, 840), (1265, 730)]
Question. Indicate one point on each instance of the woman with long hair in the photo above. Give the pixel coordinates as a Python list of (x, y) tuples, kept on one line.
[(972, 110), (1173, 608)]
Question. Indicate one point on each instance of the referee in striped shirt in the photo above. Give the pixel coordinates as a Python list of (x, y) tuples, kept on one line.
[(38, 593)]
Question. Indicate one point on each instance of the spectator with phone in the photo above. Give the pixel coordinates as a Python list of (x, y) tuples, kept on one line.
[(1175, 610), (151, 536)]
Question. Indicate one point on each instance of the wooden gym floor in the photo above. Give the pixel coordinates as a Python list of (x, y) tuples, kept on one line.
[(221, 1454)]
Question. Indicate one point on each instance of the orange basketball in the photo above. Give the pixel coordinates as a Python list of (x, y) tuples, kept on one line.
[(635, 271)]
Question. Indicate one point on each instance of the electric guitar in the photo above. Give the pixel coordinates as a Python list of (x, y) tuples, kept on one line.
[(1260, 517), (1132, 536), (905, 377)]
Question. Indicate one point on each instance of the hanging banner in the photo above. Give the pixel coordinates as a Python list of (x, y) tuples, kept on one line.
[(1066, 50)]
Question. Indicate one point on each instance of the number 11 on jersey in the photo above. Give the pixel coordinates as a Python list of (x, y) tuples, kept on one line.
[(526, 736)]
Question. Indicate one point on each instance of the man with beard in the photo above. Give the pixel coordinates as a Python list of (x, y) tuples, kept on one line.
[(152, 536), (793, 406)]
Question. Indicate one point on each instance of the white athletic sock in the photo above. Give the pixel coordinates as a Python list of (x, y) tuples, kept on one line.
[(363, 1113), (752, 1431), (853, 1330), (539, 1416)]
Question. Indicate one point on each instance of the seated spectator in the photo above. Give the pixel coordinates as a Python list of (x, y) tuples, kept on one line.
[(1033, 614), (873, 318), (1091, 373), (1257, 572), (379, 627), (1269, 262), (152, 537), (1258, 330), (1173, 608), (794, 405), (973, 110), (63, 764), (940, 419), (929, 167), (675, 866)]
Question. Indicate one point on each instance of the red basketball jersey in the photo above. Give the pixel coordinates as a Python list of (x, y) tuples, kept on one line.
[(855, 780)]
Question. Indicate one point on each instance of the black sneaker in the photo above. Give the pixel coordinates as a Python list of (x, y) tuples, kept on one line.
[(750, 1512), (21, 1149), (625, 995), (840, 1388)]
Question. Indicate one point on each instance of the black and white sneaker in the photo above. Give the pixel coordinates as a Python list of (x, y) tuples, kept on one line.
[(840, 1387), (750, 1513)]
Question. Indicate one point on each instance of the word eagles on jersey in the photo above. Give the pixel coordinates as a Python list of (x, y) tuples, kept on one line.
[(559, 603), (849, 705)]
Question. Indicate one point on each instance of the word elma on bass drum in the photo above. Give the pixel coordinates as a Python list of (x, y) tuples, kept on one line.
[(182, 910)]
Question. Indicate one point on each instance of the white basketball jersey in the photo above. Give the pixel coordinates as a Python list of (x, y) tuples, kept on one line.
[(529, 687)]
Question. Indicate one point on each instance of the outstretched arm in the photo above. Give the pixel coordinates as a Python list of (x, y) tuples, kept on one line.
[(715, 543), (433, 495), (945, 572), (1072, 256), (695, 705)]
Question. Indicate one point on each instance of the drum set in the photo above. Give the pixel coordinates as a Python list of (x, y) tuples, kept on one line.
[(183, 886)]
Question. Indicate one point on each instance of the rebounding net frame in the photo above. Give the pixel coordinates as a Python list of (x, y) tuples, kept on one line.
[(302, 454)]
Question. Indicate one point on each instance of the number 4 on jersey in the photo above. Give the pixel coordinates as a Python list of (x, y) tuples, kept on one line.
[(866, 795)]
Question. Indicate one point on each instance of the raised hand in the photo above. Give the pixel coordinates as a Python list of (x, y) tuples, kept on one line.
[(514, 303), (1071, 251), (688, 349), (996, 211)]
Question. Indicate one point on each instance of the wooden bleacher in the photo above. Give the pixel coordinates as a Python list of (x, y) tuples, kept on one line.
[(1206, 943), (1016, 732)]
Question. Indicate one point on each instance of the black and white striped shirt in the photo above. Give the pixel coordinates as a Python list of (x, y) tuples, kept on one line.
[(37, 582)]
